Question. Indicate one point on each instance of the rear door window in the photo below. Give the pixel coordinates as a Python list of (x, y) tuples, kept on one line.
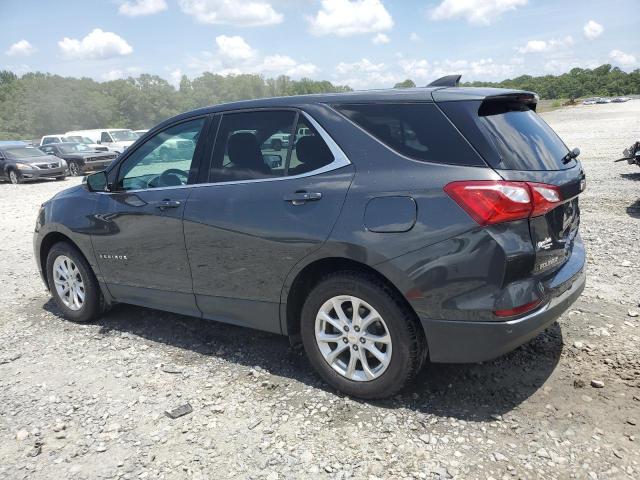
[(509, 134), (252, 145), (416, 130), (309, 151)]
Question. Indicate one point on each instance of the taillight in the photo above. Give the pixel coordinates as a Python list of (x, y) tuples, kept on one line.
[(498, 201), (527, 307)]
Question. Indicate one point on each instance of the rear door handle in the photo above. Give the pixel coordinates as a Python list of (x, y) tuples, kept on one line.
[(300, 198), (165, 204)]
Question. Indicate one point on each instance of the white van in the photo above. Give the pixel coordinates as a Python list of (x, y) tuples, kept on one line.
[(117, 139)]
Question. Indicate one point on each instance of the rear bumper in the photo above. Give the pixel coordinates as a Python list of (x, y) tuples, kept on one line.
[(468, 341)]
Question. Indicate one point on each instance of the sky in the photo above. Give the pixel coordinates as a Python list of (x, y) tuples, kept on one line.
[(360, 43)]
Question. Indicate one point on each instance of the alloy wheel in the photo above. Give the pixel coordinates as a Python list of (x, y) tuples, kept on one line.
[(13, 176), (353, 338), (74, 169), (68, 282)]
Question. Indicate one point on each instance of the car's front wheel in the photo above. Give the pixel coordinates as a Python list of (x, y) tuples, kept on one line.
[(360, 336), (15, 177), (74, 169), (72, 283)]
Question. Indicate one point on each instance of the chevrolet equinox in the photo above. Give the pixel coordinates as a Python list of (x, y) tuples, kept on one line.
[(396, 227)]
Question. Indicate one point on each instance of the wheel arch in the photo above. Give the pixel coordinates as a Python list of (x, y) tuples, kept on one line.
[(311, 274), (48, 241)]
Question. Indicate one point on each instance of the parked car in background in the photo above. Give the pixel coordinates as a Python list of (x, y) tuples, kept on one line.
[(88, 142), (620, 99), (140, 132), (406, 225), (116, 139), (57, 138), (589, 101), (80, 158), (20, 163)]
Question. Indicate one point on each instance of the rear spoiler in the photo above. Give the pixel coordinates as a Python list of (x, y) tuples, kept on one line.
[(528, 98)]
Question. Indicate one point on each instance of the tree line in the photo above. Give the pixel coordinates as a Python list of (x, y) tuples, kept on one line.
[(37, 104)]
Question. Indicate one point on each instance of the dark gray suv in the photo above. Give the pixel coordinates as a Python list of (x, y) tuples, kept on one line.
[(396, 227)]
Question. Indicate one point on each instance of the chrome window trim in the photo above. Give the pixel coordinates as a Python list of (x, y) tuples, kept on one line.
[(340, 160)]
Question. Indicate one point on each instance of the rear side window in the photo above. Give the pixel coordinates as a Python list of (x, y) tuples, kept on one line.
[(508, 134), (416, 130)]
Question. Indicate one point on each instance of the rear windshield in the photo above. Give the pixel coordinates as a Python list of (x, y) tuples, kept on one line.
[(416, 130), (509, 135)]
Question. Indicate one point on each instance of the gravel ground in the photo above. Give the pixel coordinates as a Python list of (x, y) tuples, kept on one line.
[(88, 401)]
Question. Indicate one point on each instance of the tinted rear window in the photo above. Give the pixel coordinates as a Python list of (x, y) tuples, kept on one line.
[(416, 130), (508, 134)]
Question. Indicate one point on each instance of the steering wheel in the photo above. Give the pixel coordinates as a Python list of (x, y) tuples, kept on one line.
[(157, 181)]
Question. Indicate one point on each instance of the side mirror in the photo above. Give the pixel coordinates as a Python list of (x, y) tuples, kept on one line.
[(575, 152), (97, 182)]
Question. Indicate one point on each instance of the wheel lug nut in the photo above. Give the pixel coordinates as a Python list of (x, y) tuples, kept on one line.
[(355, 347), (357, 329), (362, 340), (345, 340), (346, 328)]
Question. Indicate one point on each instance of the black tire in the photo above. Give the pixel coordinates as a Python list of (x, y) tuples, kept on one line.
[(75, 169), (276, 144), (409, 348), (93, 302), (15, 177)]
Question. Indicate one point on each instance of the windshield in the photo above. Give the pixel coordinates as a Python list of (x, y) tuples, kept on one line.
[(79, 139), (123, 135), (77, 147), (509, 135), (24, 152)]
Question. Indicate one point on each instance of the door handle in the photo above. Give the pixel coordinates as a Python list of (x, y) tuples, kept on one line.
[(300, 198), (165, 204)]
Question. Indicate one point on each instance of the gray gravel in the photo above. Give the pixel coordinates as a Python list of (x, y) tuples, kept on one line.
[(90, 401)]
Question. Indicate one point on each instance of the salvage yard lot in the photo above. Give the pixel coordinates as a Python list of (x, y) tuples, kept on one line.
[(88, 401)]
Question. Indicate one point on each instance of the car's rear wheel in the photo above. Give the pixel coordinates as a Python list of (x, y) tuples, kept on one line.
[(360, 336), (74, 169), (15, 177), (72, 283)]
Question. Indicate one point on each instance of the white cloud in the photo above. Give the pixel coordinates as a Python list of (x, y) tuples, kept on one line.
[(415, 38), (592, 29), (479, 12), (21, 48), (622, 58), (235, 56), (421, 70), (363, 65), (118, 74), (175, 77), (380, 38), (285, 65), (142, 7), (539, 46), (234, 48), (230, 12), (96, 45), (345, 17)]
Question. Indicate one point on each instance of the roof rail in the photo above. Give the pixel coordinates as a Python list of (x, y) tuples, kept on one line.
[(448, 81)]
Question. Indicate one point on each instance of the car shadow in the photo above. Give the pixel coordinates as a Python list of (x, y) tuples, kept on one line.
[(475, 392), (631, 176), (633, 210)]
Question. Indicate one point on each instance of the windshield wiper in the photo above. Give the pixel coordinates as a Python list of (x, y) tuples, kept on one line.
[(572, 154)]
